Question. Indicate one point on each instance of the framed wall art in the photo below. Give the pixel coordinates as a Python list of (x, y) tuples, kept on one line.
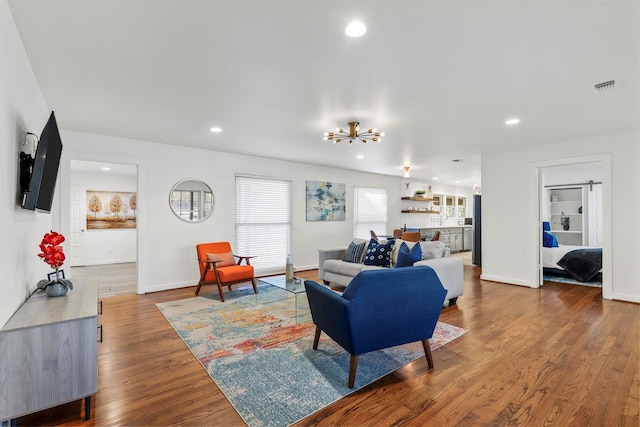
[(325, 201), (111, 209)]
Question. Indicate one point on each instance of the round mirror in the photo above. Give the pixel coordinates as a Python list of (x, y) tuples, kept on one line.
[(191, 200)]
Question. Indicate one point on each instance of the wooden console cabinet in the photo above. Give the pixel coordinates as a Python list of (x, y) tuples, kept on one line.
[(49, 352)]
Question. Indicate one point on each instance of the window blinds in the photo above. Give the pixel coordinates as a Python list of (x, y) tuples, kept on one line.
[(370, 212), (263, 222)]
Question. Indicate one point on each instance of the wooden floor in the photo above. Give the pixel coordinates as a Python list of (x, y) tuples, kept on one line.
[(111, 279), (557, 356)]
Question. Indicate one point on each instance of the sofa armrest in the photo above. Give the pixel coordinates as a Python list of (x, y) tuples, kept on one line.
[(450, 271), (325, 254)]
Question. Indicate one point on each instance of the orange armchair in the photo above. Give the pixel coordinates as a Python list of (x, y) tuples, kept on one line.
[(218, 266)]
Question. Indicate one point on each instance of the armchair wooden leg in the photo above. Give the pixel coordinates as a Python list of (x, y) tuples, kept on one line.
[(316, 339), (198, 287), (353, 366), (427, 352), (255, 286), (220, 291)]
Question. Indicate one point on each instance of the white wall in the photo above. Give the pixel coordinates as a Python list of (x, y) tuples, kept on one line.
[(22, 109), (166, 245), (109, 245), (509, 209)]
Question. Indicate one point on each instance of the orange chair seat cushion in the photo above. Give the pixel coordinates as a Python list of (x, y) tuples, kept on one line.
[(231, 273), (227, 258)]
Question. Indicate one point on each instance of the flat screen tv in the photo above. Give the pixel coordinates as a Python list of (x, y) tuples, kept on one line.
[(39, 195)]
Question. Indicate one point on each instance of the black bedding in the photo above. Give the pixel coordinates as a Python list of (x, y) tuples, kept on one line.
[(582, 264)]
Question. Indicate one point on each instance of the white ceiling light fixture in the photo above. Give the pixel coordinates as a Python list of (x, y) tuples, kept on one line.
[(106, 168), (216, 129), (355, 29), (360, 156), (354, 128), (512, 122)]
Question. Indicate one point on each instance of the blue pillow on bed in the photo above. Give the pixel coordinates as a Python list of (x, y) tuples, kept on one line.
[(549, 240)]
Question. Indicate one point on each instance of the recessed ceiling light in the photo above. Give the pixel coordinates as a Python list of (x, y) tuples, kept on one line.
[(512, 122), (215, 130), (435, 178), (355, 29), (457, 182), (360, 156), (106, 169)]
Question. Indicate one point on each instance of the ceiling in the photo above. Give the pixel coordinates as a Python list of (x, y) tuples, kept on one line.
[(438, 77)]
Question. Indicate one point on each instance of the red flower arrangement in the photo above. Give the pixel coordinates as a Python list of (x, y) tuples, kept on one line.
[(52, 252), (53, 255)]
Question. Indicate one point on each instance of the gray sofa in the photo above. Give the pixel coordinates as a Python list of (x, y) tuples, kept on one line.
[(337, 273)]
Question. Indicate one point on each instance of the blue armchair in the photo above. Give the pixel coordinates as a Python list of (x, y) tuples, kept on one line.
[(379, 309)]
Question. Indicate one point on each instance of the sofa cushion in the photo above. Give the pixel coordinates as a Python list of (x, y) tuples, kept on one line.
[(342, 268), (406, 256), (354, 253), (432, 249), (379, 253)]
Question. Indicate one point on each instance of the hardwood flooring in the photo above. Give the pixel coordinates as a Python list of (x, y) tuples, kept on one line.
[(555, 356), (112, 279)]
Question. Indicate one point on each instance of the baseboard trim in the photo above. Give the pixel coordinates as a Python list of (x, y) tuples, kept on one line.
[(508, 281)]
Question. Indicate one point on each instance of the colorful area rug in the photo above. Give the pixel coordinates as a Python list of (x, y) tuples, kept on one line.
[(263, 360)]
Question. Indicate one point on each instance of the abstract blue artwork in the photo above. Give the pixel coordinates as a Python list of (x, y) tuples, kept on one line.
[(325, 201)]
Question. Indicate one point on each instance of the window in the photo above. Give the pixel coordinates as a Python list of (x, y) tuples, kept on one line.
[(186, 204), (263, 222), (369, 212)]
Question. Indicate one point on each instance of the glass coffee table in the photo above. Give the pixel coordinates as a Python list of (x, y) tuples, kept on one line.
[(296, 287)]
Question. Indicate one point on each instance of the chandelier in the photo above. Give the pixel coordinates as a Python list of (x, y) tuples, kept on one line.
[(354, 127)]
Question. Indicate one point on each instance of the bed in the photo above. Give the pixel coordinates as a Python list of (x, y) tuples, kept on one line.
[(580, 262)]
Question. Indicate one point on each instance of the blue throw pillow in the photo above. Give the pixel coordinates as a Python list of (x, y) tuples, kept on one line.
[(354, 252), (406, 256), (379, 254), (549, 240)]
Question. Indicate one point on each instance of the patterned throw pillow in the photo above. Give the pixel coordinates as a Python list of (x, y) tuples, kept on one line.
[(354, 252), (406, 256), (379, 254)]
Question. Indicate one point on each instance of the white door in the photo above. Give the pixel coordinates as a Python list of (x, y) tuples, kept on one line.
[(594, 194), (78, 226)]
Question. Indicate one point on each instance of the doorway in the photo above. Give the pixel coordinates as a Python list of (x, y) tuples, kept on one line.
[(102, 221), (573, 203)]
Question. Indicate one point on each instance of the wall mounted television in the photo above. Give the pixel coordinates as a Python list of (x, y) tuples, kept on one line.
[(42, 183)]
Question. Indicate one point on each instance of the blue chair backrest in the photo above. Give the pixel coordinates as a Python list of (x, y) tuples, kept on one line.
[(399, 305)]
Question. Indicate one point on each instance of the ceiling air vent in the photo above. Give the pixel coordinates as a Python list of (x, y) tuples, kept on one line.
[(605, 86)]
